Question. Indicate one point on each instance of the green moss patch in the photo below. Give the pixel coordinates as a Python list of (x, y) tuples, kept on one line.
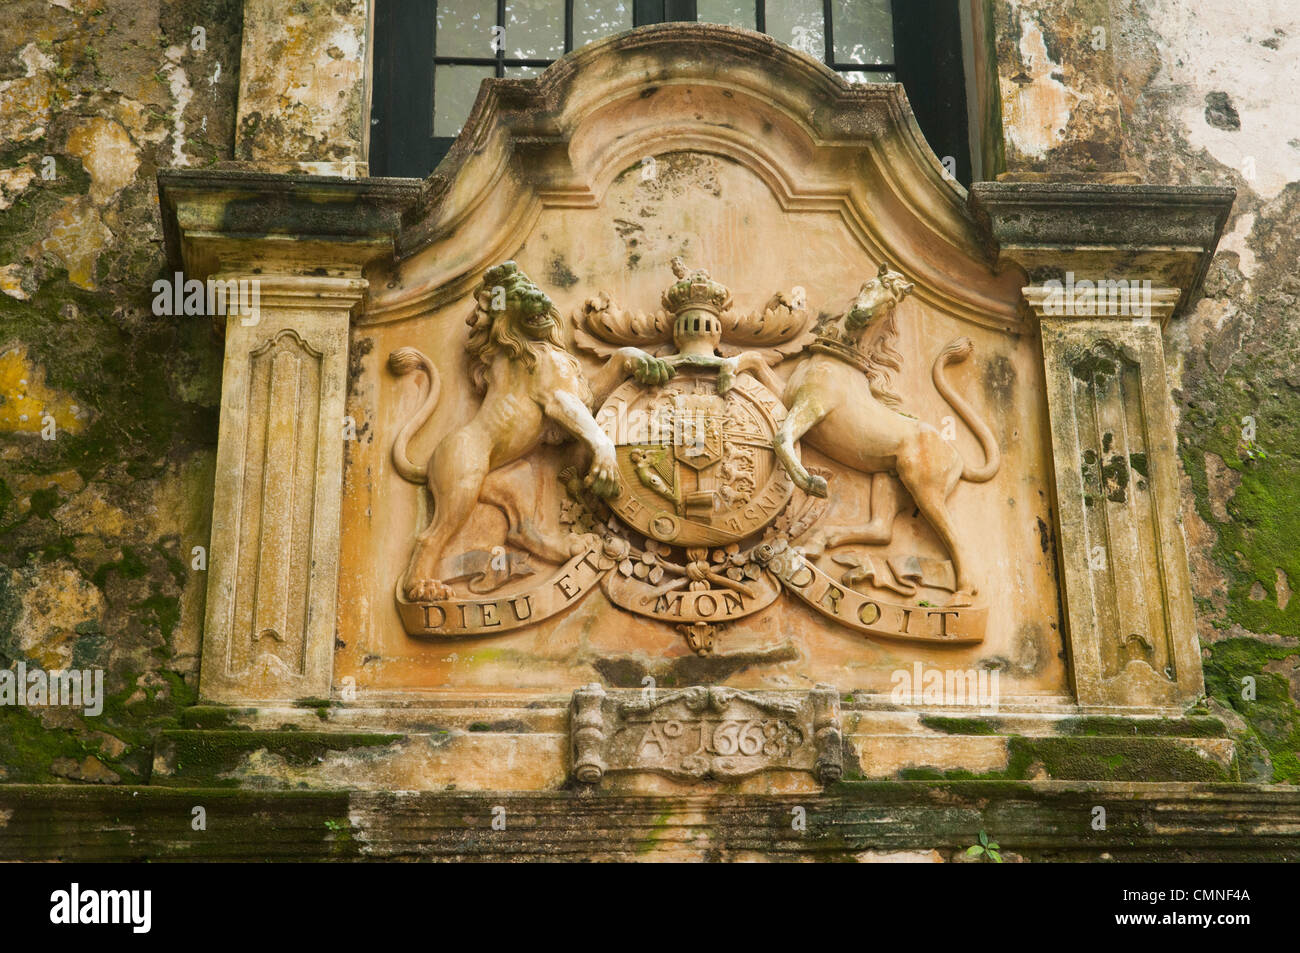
[(1272, 714), (1090, 758), (215, 758)]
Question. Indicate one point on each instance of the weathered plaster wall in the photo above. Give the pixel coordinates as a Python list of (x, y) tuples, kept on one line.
[(302, 91), (97, 525), (1195, 92), (1055, 79), (1209, 94)]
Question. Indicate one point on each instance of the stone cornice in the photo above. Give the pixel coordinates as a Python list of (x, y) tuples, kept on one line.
[(1160, 821), (236, 220), (1165, 234)]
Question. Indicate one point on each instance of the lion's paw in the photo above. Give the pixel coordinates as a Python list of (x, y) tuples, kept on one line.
[(428, 590), (602, 478), (603, 483), (652, 371)]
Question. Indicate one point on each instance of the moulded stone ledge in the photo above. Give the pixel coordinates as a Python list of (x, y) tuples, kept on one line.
[(1165, 234), (862, 821), (499, 750), (228, 219)]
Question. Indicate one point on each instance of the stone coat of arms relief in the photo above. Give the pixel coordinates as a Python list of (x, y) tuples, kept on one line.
[(824, 487), (683, 497)]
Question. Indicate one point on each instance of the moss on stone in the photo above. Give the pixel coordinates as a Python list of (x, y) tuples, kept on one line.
[(1115, 759), (28, 748), (1192, 726), (1259, 538), (1089, 758), (1272, 714), (1189, 727), (959, 726), (213, 717), (1092, 368), (1242, 407), (320, 705), (216, 757)]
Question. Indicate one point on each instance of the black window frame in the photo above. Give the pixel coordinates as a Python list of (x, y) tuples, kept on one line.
[(501, 61), (927, 61)]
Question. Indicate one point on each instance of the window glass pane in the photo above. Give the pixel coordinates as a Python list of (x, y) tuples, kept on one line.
[(800, 24), (454, 91), (596, 19), (863, 31), (535, 29), (727, 12), (862, 76), (523, 72), (465, 28)]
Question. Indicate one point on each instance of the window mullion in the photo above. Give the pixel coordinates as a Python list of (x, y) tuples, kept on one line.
[(827, 13), (501, 50)]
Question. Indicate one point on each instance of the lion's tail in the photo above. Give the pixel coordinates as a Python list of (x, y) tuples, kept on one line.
[(401, 362), (955, 352)]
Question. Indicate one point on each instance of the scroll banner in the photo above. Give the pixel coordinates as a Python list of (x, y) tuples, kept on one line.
[(943, 624), (468, 618), (683, 606)]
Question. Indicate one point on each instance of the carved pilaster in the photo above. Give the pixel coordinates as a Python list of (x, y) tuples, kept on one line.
[(1108, 267), (273, 575), (1124, 561), (293, 248)]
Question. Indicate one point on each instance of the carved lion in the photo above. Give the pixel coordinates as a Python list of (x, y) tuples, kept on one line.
[(533, 392)]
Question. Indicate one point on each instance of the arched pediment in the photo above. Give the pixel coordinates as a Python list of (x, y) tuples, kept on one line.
[(819, 144)]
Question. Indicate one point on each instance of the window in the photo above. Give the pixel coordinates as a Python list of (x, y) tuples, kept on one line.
[(431, 57)]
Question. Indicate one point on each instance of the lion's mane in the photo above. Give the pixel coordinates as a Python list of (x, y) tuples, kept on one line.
[(882, 361), (492, 332)]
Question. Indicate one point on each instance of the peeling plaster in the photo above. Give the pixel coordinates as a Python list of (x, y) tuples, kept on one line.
[(179, 84), (12, 183), (1036, 105), (107, 153), (1204, 52), (34, 60), (75, 236), (56, 599), (1235, 241)]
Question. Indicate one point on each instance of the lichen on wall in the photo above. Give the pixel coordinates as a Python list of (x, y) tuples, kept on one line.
[(1208, 99), (1060, 111), (108, 413)]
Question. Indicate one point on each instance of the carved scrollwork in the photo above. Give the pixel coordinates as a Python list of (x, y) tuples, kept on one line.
[(706, 733)]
